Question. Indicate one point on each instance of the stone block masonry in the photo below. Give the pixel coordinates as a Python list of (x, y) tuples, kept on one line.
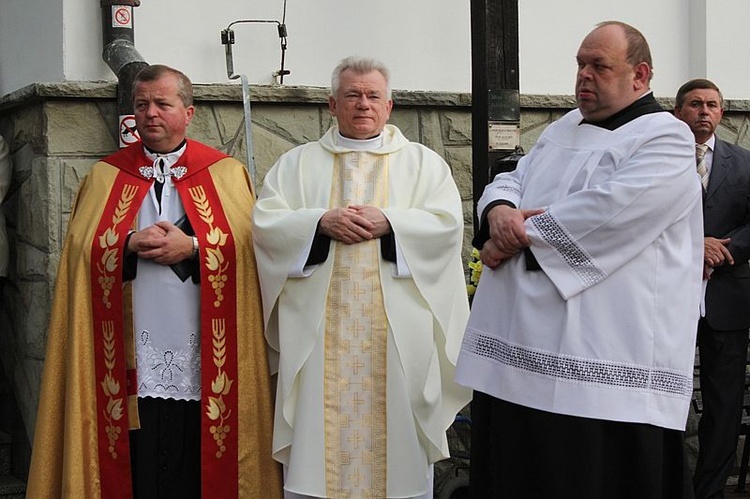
[(57, 131)]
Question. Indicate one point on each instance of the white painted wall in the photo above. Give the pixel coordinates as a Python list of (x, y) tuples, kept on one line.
[(31, 37), (688, 39), (728, 49), (426, 43), (551, 32)]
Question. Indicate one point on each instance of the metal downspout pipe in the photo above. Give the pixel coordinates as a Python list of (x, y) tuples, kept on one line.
[(123, 59)]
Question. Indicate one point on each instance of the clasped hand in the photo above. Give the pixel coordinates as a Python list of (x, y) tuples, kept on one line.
[(715, 254), (507, 234), (354, 224), (163, 242)]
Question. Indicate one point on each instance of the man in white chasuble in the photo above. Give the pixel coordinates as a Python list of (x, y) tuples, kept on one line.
[(358, 242)]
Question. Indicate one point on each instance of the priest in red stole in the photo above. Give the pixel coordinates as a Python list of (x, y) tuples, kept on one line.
[(156, 377)]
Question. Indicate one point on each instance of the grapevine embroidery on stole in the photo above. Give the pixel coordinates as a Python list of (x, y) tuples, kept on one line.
[(107, 265), (111, 388), (108, 242), (215, 261)]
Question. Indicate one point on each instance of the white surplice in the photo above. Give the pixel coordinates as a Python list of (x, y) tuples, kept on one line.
[(606, 329), (166, 310)]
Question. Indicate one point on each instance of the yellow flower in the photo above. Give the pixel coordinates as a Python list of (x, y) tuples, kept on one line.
[(475, 267)]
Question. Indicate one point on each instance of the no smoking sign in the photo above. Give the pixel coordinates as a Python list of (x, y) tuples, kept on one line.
[(128, 133), (122, 16)]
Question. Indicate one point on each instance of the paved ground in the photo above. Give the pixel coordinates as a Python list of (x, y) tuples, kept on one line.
[(730, 492)]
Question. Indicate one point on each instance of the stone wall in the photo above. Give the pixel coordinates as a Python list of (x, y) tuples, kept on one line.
[(57, 131)]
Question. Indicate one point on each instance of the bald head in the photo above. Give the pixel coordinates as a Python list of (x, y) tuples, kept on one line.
[(608, 79)]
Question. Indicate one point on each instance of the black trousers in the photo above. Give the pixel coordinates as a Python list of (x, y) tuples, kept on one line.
[(165, 453), (723, 357), (523, 453)]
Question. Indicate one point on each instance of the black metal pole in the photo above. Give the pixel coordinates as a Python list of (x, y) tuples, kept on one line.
[(496, 110), (496, 118)]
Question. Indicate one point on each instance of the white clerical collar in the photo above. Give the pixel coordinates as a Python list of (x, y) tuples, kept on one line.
[(169, 158), (360, 145)]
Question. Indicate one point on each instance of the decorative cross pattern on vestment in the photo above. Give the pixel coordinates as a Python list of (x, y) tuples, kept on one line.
[(355, 344)]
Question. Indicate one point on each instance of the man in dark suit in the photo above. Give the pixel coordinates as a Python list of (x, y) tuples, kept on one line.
[(723, 327)]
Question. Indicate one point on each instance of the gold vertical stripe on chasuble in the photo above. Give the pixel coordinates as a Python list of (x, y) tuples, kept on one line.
[(356, 342)]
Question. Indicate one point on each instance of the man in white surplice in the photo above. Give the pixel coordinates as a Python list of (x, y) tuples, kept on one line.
[(358, 240), (582, 330)]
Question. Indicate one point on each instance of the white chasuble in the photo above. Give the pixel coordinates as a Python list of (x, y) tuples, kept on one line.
[(366, 353), (355, 343)]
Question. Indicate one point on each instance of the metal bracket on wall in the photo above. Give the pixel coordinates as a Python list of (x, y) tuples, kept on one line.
[(228, 39)]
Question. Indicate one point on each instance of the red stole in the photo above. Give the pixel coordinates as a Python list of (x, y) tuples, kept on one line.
[(219, 405)]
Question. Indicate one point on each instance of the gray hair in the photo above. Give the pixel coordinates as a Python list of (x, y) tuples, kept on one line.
[(360, 65)]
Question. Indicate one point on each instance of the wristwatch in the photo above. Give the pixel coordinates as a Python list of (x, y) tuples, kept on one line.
[(195, 247)]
